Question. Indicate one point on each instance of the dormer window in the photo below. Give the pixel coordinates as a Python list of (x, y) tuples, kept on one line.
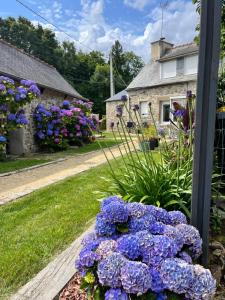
[(168, 69)]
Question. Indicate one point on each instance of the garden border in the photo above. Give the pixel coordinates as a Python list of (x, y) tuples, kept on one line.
[(49, 282)]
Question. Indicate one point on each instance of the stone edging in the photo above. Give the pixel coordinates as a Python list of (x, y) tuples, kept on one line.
[(49, 282)]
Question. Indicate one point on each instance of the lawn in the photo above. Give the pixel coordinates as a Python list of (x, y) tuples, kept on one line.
[(36, 159), (41, 225), (16, 164)]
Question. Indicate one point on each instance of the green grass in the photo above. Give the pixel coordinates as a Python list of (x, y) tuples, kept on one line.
[(41, 225), (12, 165)]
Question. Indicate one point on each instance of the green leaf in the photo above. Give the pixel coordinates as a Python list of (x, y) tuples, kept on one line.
[(89, 278)]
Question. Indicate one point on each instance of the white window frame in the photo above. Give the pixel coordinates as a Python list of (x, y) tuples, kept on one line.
[(174, 61), (144, 115), (162, 103), (170, 102), (185, 65)]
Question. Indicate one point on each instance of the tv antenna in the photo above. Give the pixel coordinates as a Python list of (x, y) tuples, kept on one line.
[(163, 5)]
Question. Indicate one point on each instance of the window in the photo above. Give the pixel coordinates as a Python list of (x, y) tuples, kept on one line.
[(144, 109), (191, 65), (165, 112), (168, 69)]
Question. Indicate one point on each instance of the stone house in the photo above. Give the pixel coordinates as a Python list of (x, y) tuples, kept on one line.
[(18, 65), (171, 72)]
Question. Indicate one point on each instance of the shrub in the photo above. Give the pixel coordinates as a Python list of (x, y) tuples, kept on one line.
[(146, 251), (12, 99), (58, 126)]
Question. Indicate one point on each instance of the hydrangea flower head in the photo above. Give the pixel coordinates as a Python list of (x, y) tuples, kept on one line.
[(136, 209), (109, 270), (139, 224), (129, 246), (177, 217), (103, 227), (135, 277), (115, 294), (115, 212), (157, 284), (106, 248), (177, 275), (174, 233), (160, 214), (111, 199)]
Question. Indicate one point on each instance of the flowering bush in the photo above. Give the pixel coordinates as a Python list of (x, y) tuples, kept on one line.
[(12, 99), (139, 249), (70, 123)]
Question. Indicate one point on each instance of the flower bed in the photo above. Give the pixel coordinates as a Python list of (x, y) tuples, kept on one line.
[(58, 126), (12, 99), (142, 250)]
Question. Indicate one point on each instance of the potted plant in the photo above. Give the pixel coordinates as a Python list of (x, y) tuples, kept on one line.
[(149, 140)]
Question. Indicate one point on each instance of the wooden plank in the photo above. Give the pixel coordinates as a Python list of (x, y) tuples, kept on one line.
[(50, 281)]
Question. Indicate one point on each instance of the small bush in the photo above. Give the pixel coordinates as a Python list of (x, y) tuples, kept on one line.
[(145, 251)]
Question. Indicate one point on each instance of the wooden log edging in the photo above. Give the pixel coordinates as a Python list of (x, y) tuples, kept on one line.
[(47, 284)]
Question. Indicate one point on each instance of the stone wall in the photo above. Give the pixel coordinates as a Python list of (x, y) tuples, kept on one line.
[(27, 141), (154, 95)]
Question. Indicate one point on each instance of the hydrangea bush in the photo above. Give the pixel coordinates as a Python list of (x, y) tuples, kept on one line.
[(143, 251), (70, 123), (13, 96)]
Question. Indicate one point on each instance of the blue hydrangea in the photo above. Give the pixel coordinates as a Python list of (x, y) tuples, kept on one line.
[(157, 228), (177, 275), (174, 233), (2, 87), (2, 139), (27, 83), (11, 117), (35, 90), (157, 284), (66, 103), (109, 270), (135, 278), (160, 214), (115, 294), (144, 237), (111, 199), (103, 227), (203, 285), (115, 212), (136, 209), (191, 238), (129, 246), (5, 79), (158, 249), (90, 237), (87, 258), (177, 217), (139, 224)]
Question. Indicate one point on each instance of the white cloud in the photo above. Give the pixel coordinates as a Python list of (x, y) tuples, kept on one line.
[(137, 4), (91, 29)]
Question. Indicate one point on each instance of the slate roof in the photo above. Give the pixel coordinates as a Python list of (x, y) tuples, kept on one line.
[(149, 76), (19, 65), (117, 97), (180, 51)]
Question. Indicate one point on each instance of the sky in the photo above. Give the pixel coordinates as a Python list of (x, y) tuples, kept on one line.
[(96, 24)]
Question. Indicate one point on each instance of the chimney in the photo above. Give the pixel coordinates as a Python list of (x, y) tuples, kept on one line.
[(159, 48)]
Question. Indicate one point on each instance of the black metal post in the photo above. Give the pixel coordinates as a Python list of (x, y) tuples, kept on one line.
[(205, 118)]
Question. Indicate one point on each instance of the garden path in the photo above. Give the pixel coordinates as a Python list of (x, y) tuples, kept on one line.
[(20, 184)]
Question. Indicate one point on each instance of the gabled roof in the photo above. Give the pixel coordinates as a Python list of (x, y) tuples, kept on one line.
[(117, 97), (149, 76), (180, 51), (20, 65)]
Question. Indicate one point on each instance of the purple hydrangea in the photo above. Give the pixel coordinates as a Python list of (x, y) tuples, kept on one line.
[(5, 79), (135, 277), (115, 294), (119, 111), (139, 224), (103, 227), (124, 98), (27, 83), (136, 209), (11, 117), (87, 258), (35, 90), (203, 285), (111, 199), (177, 275), (115, 212), (174, 234), (129, 246), (2, 87), (158, 249), (191, 238), (109, 270), (106, 248), (159, 213), (157, 228), (90, 237), (185, 256), (177, 217)]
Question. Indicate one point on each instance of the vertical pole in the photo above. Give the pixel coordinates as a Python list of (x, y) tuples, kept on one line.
[(112, 91), (205, 118)]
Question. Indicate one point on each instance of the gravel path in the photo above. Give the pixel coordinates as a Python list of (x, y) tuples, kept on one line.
[(17, 185)]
